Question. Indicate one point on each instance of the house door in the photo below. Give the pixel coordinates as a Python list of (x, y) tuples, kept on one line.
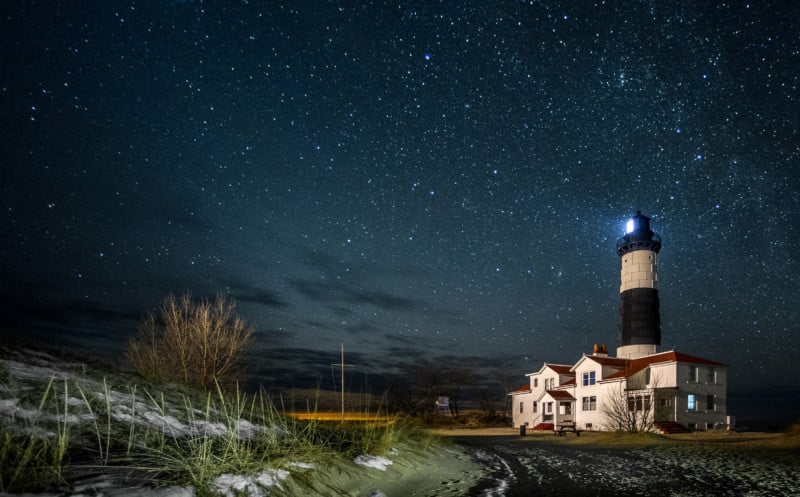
[(565, 412)]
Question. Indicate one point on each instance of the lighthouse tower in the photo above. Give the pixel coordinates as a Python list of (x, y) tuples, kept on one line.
[(639, 319)]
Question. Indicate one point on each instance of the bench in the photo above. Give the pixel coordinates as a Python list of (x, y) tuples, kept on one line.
[(560, 430)]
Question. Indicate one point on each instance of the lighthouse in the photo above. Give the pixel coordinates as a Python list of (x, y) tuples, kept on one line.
[(639, 318)]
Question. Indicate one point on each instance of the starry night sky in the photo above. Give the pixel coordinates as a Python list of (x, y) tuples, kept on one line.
[(417, 180)]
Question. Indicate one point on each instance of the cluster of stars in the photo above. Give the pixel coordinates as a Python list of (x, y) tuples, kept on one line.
[(456, 175)]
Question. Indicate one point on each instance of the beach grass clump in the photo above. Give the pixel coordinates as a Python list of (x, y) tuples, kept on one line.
[(53, 430), (245, 434), (29, 463), (34, 461)]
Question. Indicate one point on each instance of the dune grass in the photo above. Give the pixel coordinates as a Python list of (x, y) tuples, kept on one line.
[(169, 435), (34, 460)]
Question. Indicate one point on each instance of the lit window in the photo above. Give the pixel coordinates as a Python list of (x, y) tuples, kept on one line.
[(691, 402)]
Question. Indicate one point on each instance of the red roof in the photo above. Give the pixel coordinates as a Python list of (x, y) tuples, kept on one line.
[(559, 368), (523, 389), (608, 361), (633, 366)]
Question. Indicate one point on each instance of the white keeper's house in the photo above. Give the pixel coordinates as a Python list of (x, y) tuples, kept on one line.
[(641, 389)]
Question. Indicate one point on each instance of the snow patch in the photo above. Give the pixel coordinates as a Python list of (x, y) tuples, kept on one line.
[(252, 486), (370, 461)]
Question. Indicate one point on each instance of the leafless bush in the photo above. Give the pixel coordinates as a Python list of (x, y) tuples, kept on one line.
[(632, 406), (198, 343)]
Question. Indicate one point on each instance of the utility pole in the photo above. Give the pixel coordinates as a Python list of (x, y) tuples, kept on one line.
[(342, 366)]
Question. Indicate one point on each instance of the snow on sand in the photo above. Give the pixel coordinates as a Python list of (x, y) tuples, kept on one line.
[(443, 472)]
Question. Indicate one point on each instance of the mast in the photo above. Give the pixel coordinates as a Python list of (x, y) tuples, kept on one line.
[(342, 363)]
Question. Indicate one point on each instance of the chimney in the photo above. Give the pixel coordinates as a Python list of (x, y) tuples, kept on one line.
[(600, 350)]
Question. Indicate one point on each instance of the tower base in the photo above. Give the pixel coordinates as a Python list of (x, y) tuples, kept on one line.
[(634, 351)]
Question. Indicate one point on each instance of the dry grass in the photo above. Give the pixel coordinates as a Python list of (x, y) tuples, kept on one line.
[(787, 440), (756, 440)]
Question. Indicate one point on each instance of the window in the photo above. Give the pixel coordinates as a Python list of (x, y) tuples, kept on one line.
[(692, 374), (664, 402), (639, 402), (589, 403), (536, 383), (588, 378), (535, 406), (711, 376), (521, 407), (566, 408), (691, 402), (549, 407), (709, 402)]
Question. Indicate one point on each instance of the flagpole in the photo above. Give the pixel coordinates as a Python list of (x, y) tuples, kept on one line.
[(342, 382)]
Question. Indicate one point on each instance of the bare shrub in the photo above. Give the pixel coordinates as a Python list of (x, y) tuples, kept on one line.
[(198, 343), (632, 405)]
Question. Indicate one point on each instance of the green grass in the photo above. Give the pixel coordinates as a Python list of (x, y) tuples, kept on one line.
[(30, 462), (81, 426)]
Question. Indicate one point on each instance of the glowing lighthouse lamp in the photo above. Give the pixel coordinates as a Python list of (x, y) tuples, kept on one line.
[(639, 318)]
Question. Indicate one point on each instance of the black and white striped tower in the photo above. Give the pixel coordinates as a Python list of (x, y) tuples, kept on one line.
[(639, 318)]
